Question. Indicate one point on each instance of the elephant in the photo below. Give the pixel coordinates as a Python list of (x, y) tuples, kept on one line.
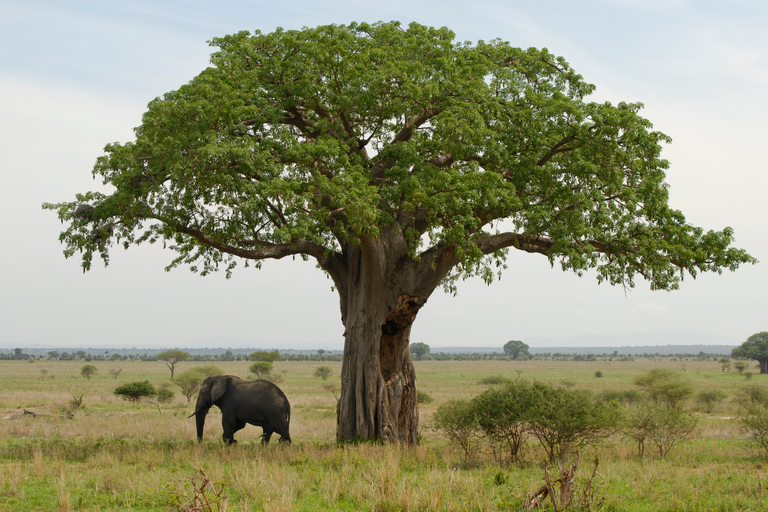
[(258, 402)]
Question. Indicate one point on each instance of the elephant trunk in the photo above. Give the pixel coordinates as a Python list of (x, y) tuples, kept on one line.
[(200, 415)]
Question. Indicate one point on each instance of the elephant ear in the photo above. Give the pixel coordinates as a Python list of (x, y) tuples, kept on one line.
[(218, 389)]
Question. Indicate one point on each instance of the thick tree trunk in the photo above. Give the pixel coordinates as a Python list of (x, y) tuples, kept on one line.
[(378, 388)]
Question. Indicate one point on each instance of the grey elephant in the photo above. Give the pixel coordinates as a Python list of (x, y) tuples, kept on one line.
[(258, 402)]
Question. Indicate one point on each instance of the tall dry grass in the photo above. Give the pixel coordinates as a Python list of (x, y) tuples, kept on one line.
[(113, 455)]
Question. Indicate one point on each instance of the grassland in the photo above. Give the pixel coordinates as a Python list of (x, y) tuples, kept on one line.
[(114, 455)]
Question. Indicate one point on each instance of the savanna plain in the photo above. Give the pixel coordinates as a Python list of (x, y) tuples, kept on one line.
[(108, 454)]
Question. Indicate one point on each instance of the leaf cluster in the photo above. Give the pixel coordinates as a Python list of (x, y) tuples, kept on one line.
[(302, 142)]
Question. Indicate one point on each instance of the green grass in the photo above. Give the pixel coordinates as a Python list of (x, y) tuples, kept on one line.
[(114, 455)]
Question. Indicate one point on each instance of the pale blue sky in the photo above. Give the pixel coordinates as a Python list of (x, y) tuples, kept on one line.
[(76, 75)]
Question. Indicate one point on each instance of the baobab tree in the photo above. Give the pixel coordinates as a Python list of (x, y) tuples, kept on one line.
[(400, 161)]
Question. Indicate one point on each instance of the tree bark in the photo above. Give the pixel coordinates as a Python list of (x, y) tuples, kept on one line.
[(379, 303)]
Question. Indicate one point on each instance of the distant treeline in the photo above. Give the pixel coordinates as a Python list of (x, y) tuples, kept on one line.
[(134, 354)]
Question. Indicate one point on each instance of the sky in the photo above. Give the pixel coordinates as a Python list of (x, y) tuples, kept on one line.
[(77, 75)]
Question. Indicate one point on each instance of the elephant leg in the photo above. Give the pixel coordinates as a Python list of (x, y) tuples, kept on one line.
[(265, 437), (230, 426)]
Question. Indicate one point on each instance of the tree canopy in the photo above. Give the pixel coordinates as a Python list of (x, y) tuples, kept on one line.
[(419, 350), (756, 347), (516, 348), (173, 357), (399, 160)]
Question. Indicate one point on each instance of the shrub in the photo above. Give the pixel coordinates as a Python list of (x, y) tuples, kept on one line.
[(423, 397), (665, 386), (262, 369), (627, 396), (190, 380), (753, 422), (456, 419), (707, 400), (493, 379), (502, 413), (661, 425), (88, 371), (164, 395), (751, 395), (134, 391), (565, 419), (323, 372)]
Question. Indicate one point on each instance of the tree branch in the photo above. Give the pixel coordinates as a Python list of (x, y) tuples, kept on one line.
[(556, 149)]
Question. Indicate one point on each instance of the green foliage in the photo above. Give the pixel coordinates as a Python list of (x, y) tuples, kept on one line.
[(422, 397), (503, 414), (665, 386), (88, 371), (457, 421), (419, 350), (323, 372), (562, 420), (164, 395), (516, 349), (173, 357), (627, 396), (135, 391), (264, 355), (707, 400), (261, 368), (324, 136), (753, 422), (662, 426), (493, 379), (190, 380), (756, 347)]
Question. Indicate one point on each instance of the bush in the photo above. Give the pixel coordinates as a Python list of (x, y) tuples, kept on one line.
[(664, 386), (660, 425), (753, 422), (88, 371), (707, 400), (134, 391), (190, 380), (164, 395), (456, 419), (323, 372), (262, 369), (423, 397), (565, 419), (560, 419), (502, 414), (493, 380), (628, 396)]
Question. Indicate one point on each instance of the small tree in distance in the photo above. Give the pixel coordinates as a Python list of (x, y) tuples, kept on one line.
[(88, 371), (189, 381), (261, 369), (756, 347), (172, 358), (516, 349), (419, 350)]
